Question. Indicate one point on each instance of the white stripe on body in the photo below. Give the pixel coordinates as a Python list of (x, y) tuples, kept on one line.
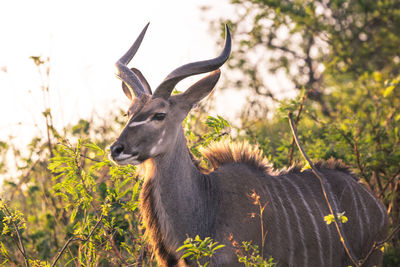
[(354, 194), (381, 208), (275, 213), (296, 217), (289, 232), (313, 221), (328, 229)]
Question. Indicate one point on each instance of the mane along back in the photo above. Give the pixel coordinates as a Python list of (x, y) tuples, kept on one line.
[(330, 164), (222, 153)]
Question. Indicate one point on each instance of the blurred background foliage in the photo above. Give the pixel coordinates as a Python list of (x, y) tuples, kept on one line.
[(72, 206)]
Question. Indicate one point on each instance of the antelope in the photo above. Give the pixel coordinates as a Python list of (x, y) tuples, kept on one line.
[(179, 199)]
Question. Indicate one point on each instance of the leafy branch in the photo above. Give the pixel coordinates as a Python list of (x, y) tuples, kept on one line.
[(197, 249), (12, 219), (74, 238)]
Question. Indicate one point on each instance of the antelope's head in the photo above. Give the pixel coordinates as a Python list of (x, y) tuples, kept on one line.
[(155, 118)]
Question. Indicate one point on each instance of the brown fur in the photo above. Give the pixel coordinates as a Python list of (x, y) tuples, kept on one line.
[(219, 154), (222, 153), (151, 218), (151, 221)]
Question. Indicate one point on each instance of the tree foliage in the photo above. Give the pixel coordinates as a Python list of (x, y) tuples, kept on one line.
[(317, 44)]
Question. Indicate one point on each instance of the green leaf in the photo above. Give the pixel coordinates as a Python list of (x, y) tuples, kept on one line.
[(94, 147), (187, 255), (135, 189), (73, 214), (3, 249), (184, 246), (218, 247)]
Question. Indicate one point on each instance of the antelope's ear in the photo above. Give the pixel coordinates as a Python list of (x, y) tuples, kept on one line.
[(198, 91), (142, 80), (128, 92)]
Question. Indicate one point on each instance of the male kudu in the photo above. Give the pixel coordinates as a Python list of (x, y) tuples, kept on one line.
[(179, 199)]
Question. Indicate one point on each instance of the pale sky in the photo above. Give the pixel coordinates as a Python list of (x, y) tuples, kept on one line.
[(83, 40)]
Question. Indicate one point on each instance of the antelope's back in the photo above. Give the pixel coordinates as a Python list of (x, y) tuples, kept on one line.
[(293, 218)]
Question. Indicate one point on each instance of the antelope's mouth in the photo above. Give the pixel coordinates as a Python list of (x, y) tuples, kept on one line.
[(125, 159)]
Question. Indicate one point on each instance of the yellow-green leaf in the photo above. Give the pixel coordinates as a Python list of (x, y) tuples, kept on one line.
[(342, 217), (388, 90), (306, 167), (377, 76), (329, 219)]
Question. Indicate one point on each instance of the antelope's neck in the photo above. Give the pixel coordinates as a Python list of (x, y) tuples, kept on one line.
[(184, 199)]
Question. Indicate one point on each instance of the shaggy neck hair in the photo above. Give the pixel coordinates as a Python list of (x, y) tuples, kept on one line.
[(163, 174)]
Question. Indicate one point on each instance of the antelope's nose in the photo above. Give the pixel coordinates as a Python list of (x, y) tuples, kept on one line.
[(116, 150)]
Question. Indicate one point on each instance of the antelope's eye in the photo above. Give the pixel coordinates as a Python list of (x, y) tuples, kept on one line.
[(159, 117)]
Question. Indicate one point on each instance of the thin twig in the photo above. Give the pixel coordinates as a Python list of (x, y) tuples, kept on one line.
[(142, 255), (357, 154), (89, 158), (377, 245), (49, 144), (393, 197), (73, 239), (21, 244), (329, 201), (17, 245), (389, 182), (304, 98), (114, 248)]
